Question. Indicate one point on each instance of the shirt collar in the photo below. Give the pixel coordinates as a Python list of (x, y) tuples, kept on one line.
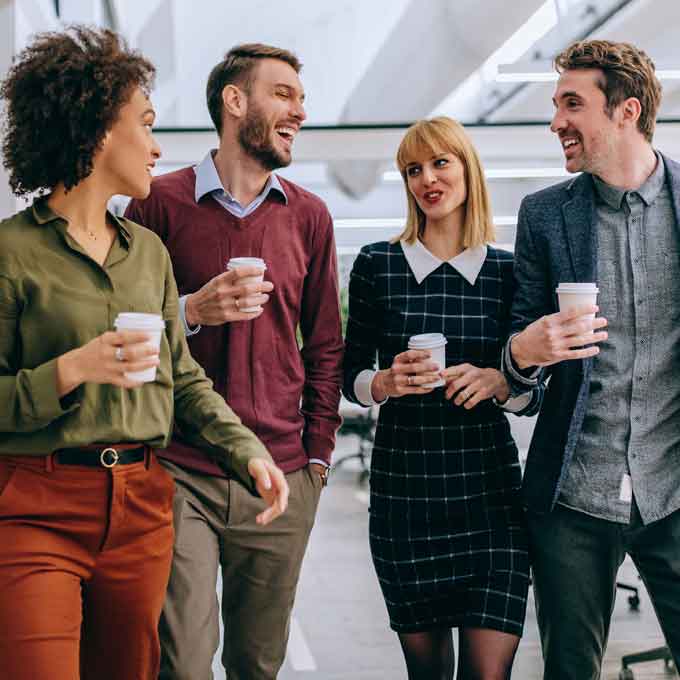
[(422, 262), (42, 213), (650, 189), (207, 180)]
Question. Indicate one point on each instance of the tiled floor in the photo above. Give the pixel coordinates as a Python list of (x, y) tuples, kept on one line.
[(340, 629)]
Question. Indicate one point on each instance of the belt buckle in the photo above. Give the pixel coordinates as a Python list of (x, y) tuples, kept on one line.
[(109, 457)]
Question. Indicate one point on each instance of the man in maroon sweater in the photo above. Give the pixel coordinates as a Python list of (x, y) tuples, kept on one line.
[(232, 205)]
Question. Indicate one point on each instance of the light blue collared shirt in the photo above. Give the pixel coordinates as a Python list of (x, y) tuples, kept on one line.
[(208, 182)]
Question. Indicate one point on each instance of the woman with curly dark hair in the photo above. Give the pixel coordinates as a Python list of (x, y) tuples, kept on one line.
[(85, 508)]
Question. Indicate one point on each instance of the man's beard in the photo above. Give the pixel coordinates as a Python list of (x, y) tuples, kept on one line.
[(255, 141), (598, 161)]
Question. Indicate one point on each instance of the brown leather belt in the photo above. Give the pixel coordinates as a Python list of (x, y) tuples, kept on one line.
[(102, 455)]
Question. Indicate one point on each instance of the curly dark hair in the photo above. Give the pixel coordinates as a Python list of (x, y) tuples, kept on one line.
[(63, 93)]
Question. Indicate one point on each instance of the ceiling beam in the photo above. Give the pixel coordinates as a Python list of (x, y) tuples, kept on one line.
[(426, 56)]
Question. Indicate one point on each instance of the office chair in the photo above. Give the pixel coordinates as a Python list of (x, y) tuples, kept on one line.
[(655, 654), (362, 424)]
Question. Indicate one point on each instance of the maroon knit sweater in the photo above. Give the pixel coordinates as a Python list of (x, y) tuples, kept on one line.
[(288, 397)]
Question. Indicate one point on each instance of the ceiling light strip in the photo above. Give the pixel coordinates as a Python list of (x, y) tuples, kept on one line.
[(551, 76), (499, 173)]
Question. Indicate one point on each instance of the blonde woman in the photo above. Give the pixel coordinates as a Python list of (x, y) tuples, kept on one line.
[(447, 529)]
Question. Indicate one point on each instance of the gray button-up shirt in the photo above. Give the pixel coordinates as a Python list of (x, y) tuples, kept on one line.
[(632, 423)]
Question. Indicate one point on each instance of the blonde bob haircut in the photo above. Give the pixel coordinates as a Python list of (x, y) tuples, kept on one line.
[(438, 136)]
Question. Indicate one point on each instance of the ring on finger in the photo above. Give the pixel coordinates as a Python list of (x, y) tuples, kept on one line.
[(119, 354), (409, 380), (237, 304)]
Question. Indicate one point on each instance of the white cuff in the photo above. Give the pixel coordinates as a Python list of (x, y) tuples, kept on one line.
[(515, 404), (318, 461), (362, 388), (183, 316)]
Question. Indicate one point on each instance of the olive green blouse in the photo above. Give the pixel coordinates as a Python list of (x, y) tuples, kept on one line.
[(54, 298)]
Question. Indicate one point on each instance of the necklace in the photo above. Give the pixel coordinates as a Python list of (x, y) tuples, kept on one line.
[(89, 233)]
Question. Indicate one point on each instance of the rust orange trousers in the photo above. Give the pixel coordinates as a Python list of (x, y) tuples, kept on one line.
[(84, 561)]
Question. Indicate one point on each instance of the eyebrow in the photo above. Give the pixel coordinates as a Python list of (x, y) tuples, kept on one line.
[(431, 158), (564, 95)]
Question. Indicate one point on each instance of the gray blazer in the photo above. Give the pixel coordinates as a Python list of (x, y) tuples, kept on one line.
[(557, 241)]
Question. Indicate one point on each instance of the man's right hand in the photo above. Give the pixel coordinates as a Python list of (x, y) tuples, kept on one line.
[(221, 299), (559, 337)]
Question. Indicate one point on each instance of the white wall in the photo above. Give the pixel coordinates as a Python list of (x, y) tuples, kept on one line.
[(7, 20)]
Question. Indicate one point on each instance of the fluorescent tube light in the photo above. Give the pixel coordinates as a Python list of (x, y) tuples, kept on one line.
[(509, 74), (499, 173), (668, 74), (527, 77), (521, 173)]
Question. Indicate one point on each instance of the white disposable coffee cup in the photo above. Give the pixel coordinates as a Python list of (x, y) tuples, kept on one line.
[(236, 262), (576, 295), (151, 324), (436, 343)]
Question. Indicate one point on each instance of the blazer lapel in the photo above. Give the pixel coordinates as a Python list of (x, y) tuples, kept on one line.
[(579, 229)]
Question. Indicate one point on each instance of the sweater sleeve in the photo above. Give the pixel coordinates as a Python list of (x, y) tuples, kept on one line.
[(322, 347)]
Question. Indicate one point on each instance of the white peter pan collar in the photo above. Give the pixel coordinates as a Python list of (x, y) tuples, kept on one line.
[(422, 262)]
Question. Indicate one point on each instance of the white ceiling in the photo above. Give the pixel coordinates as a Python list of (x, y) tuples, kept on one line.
[(379, 61), (388, 61), (373, 61)]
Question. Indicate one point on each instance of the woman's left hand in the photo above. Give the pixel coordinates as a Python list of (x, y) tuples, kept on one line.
[(471, 384), (271, 485)]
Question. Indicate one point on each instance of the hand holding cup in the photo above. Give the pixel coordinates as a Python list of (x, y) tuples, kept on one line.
[(409, 373), (569, 334), (228, 297), (108, 359)]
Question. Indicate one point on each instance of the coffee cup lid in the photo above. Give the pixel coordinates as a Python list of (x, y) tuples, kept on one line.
[(138, 320), (235, 262), (426, 341), (577, 288)]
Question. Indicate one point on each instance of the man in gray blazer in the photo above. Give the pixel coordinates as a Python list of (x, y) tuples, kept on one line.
[(602, 477)]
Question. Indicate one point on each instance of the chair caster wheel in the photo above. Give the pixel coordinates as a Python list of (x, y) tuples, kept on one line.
[(626, 674)]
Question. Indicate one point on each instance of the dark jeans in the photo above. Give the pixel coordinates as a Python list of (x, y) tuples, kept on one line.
[(575, 558)]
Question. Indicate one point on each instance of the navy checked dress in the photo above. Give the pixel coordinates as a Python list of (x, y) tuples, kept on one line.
[(447, 528)]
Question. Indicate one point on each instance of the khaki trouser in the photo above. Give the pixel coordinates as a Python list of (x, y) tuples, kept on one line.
[(84, 561), (215, 528)]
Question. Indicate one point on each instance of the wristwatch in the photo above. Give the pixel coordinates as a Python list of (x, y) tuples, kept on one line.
[(324, 475)]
